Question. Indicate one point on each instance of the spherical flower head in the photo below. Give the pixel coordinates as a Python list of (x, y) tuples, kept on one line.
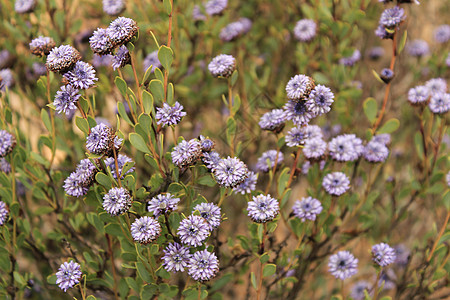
[(169, 115), (386, 75), (206, 143), (439, 103), (5, 166), (248, 185), (343, 265), (122, 30), (62, 59), (336, 183), (263, 208), (305, 30), (383, 34), (352, 59), (298, 112), (299, 87), (383, 254), (113, 7), (375, 53), (230, 172), (211, 159), (68, 275), (197, 14), (442, 34), (66, 99), (117, 201), (418, 95), (203, 266), (320, 100), (82, 76), (231, 31), (42, 45), (86, 171), (73, 186), (186, 153), (273, 120), (24, 6), (163, 203), (268, 160), (358, 289), (296, 136), (375, 152), (193, 231), (211, 213), (121, 58), (176, 257), (100, 42), (222, 65), (6, 79), (122, 159), (152, 60), (383, 138), (4, 213), (418, 48), (342, 148), (307, 208), (100, 140), (7, 143), (215, 7), (392, 17), (436, 85), (145, 230), (314, 148)]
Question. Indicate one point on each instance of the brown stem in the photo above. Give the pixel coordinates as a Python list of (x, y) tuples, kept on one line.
[(111, 253), (294, 167), (169, 41), (441, 232), (138, 86)]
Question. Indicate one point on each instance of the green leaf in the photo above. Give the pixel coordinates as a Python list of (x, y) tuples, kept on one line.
[(104, 180), (114, 229), (121, 85), (170, 93), (123, 113), (234, 77), (143, 273), (253, 280), (161, 272), (138, 142), (46, 119), (168, 6), (377, 77), (231, 130), (402, 43), (157, 89), (147, 100), (390, 126), (370, 109), (236, 104), (269, 270), (82, 124), (165, 55)]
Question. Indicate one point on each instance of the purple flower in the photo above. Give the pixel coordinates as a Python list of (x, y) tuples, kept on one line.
[(66, 99), (263, 208), (386, 75), (375, 53), (203, 266), (358, 289), (299, 87), (113, 7), (248, 185), (121, 58), (73, 186), (418, 48), (314, 148), (375, 152), (152, 60), (442, 34), (206, 143), (298, 112), (215, 7), (305, 30), (186, 153), (230, 172), (211, 159), (222, 65), (197, 14), (383, 254), (268, 160), (100, 140), (117, 201), (382, 33), (163, 203), (4, 213), (211, 213), (418, 95), (343, 265), (402, 254), (273, 120), (39, 69), (42, 45), (5, 167), (100, 42), (383, 138), (24, 6), (68, 275), (346, 147), (351, 60), (122, 30), (320, 100), (86, 171), (307, 208), (235, 29), (392, 17), (62, 59), (176, 257), (193, 231), (6, 79), (336, 183), (7, 143), (102, 60), (439, 103), (296, 136), (145, 230), (121, 161), (169, 115), (82, 76), (6, 59), (436, 85)]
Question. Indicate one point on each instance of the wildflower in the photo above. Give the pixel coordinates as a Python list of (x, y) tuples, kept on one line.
[(299, 87), (268, 160), (215, 7), (314, 148), (117, 201), (162, 203), (186, 153), (343, 265), (82, 76), (418, 48), (176, 257), (383, 254), (7, 143), (376, 152), (100, 140), (121, 58), (383, 138), (383, 34), (305, 30), (211, 213), (352, 59), (73, 186), (100, 42), (436, 85), (113, 7), (66, 99), (68, 275), (296, 136), (439, 103), (336, 183), (358, 289), (197, 14), (42, 45), (193, 231), (248, 185), (230, 172), (402, 254), (39, 69), (442, 34), (203, 266), (145, 230), (320, 100), (307, 208), (392, 17), (345, 147), (206, 143), (24, 6), (122, 159), (62, 59), (263, 208), (222, 65), (170, 115), (152, 60), (4, 213), (6, 79), (298, 112), (122, 30), (211, 159), (86, 171), (418, 95), (273, 120), (235, 29), (386, 75), (102, 60), (5, 167), (6, 59), (375, 53)]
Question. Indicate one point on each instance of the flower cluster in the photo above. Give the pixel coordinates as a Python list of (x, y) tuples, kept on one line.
[(235, 29), (434, 93), (390, 19), (79, 181)]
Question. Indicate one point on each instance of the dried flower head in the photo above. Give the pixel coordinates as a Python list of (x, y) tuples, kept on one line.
[(42, 45), (299, 87), (62, 59)]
